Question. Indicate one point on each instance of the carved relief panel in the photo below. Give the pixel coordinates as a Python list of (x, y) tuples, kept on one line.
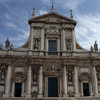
[(52, 30), (68, 39), (68, 43), (37, 32)]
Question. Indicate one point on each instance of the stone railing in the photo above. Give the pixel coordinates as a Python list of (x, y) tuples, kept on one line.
[(45, 53)]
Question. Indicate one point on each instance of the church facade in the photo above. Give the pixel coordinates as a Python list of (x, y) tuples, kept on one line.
[(51, 63)]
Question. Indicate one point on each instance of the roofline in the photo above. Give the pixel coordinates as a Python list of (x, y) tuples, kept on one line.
[(33, 18)]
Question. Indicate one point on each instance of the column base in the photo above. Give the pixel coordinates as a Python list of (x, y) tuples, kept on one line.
[(28, 96), (6, 96), (40, 96), (63, 53), (65, 95), (41, 53), (30, 53), (81, 94), (76, 95), (96, 94), (91, 94)]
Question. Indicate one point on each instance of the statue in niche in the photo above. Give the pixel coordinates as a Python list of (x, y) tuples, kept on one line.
[(95, 46), (36, 44), (70, 76), (2, 74), (53, 68), (35, 78), (34, 93), (68, 44)]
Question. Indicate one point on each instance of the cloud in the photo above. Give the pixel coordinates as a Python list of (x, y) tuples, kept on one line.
[(69, 4), (87, 30), (3, 1), (42, 12), (11, 25)]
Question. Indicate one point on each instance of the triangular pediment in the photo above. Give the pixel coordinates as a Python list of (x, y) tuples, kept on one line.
[(52, 17)]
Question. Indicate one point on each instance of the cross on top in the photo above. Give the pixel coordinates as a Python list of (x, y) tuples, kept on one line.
[(52, 9), (52, 3)]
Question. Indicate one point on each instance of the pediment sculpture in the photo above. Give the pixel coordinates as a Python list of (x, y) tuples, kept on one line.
[(18, 76)]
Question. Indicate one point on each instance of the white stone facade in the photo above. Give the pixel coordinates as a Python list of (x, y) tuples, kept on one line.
[(30, 66)]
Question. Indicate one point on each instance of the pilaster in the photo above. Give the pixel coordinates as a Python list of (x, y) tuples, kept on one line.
[(74, 40), (31, 38)]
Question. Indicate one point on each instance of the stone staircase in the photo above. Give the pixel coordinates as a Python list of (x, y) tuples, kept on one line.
[(82, 98)]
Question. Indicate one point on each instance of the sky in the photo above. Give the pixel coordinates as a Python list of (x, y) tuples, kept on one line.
[(14, 15)]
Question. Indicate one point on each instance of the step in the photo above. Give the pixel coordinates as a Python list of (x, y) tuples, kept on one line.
[(53, 98)]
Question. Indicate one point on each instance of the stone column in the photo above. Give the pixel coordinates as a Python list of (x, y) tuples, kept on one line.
[(28, 90), (8, 82), (76, 90), (74, 40), (40, 95), (31, 39), (42, 39), (94, 81), (64, 82)]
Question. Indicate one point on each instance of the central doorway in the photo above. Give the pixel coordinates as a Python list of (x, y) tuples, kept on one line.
[(18, 89), (86, 89), (52, 87)]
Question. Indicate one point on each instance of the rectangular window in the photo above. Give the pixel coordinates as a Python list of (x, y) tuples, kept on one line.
[(52, 45)]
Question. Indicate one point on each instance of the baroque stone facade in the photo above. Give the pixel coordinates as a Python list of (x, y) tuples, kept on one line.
[(51, 63)]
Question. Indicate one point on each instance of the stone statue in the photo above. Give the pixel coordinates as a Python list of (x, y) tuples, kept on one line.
[(35, 78), (11, 47), (1, 46), (7, 43), (34, 93), (36, 44), (95, 46), (91, 49)]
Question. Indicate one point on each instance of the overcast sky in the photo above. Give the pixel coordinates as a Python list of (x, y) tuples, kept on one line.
[(14, 15)]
